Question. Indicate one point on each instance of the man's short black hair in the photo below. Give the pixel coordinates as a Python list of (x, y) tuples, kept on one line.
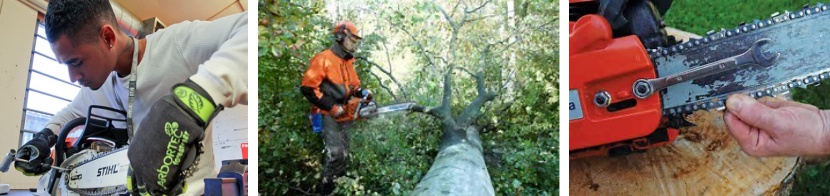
[(80, 20)]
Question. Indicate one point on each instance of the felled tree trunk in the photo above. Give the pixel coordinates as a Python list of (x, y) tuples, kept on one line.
[(704, 160), (458, 169)]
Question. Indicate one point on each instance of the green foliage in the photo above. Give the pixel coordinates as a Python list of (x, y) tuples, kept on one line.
[(812, 179), (289, 153), (522, 146), (814, 95), (389, 155), (701, 16)]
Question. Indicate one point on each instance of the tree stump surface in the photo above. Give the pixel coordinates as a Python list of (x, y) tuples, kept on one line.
[(704, 160)]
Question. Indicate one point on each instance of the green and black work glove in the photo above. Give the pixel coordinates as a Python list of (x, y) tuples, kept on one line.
[(167, 144), (37, 152)]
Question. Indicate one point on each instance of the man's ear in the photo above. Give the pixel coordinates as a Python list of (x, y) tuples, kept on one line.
[(107, 34)]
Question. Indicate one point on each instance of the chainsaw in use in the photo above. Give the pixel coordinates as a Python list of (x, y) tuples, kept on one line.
[(369, 109), (631, 84), (365, 110), (91, 157)]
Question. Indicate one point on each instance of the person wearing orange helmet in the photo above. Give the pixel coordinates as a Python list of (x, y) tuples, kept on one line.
[(332, 87)]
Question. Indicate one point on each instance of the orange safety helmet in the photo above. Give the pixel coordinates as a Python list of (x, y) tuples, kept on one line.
[(340, 27)]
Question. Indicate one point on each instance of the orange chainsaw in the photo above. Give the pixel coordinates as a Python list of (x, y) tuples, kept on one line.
[(631, 84)]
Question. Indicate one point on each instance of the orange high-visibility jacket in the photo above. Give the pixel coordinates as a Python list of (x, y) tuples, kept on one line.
[(329, 80)]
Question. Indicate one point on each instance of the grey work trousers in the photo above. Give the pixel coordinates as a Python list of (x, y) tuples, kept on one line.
[(336, 140)]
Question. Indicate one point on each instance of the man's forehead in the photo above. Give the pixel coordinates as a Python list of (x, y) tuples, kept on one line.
[(63, 47)]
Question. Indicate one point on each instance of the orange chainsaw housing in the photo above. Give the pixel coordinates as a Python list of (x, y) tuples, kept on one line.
[(599, 62)]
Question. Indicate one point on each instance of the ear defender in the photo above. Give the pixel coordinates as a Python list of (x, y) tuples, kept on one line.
[(341, 33)]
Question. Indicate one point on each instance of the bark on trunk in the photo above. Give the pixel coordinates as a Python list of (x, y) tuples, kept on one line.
[(458, 169), (705, 160)]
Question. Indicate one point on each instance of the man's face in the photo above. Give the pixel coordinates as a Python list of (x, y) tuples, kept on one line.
[(351, 43), (89, 64)]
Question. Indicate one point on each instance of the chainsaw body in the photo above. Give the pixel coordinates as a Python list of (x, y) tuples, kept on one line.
[(605, 117), (87, 141), (764, 57)]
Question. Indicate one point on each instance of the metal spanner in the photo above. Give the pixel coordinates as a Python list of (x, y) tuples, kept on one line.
[(10, 157), (643, 88)]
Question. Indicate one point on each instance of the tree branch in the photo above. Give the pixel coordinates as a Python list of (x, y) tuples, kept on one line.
[(385, 87), (478, 8), (399, 27), (480, 18), (473, 110), (420, 46), (388, 57), (466, 70), (446, 16), (509, 79), (447, 97), (547, 26), (296, 189), (454, 8), (432, 111), (457, 25), (508, 45), (388, 73), (444, 112)]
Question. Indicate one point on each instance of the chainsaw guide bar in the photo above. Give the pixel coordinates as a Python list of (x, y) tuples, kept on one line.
[(801, 38), (91, 173)]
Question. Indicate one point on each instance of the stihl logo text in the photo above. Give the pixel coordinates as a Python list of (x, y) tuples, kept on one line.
[(107, 170)]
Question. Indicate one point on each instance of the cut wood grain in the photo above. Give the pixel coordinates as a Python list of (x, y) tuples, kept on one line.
[(704, 160)]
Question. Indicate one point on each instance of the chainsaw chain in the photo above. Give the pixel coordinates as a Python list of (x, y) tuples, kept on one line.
[(773, 90), (718, 103), (111, 191), (97, 156), (96, 191)]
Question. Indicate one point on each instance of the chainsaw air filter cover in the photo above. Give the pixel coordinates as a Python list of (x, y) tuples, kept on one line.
[(368, 110)]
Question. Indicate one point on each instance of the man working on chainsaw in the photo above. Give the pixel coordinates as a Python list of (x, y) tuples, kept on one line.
[(774, 127), (171, 84), (330, 84)]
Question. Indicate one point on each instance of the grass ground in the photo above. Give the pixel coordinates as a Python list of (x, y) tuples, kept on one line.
[(701, 16)]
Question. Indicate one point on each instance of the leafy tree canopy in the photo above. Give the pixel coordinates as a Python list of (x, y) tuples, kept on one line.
[(408, 46)]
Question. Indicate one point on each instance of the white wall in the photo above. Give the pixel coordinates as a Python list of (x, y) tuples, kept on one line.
[(230, 129), (18, 23)]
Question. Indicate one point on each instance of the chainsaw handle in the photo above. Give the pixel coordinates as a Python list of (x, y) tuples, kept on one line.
[(359, 105), (60, 150), (7, 161)]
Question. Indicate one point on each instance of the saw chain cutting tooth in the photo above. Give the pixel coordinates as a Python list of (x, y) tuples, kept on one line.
[(710, 40)]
